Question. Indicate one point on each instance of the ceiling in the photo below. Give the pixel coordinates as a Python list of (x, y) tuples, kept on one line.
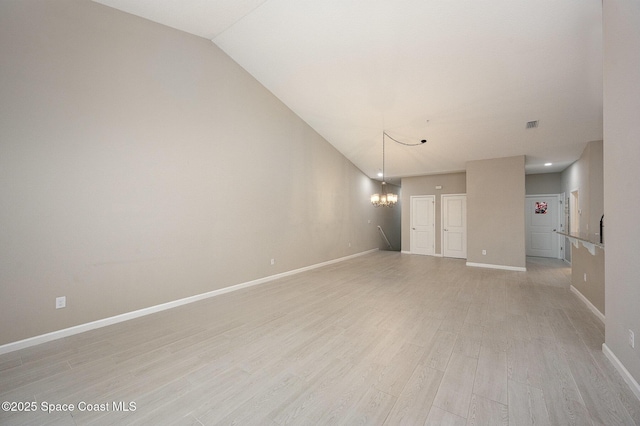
[(464, 75)]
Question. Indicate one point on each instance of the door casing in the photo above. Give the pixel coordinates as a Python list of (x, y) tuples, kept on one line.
[(422, 220), (556, 222), (453, 230)]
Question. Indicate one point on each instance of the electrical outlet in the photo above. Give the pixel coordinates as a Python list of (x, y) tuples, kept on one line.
[(484, 252), (273, 261), (632, 339), (61, 302), (585, 277), (349, 244)]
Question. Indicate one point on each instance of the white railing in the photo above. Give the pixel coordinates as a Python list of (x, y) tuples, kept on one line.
[(385, 237)]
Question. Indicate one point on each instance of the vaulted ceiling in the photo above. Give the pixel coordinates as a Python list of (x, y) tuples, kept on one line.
[(465, 75)]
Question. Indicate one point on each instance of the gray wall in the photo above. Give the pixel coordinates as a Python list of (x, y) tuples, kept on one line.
[(452, 183), (495, 212), (592, 266), (543, 183), (140, 165), (586, 175), (389, 219), (596, 186), (621, 22)]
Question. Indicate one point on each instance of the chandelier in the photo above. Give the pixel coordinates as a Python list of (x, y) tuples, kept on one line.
[(384, 198)]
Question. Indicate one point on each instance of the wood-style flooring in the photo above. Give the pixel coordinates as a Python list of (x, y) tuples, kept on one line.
[(383, 339)]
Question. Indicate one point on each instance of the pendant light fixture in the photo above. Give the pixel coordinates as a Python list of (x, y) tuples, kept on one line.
[(384, 198)]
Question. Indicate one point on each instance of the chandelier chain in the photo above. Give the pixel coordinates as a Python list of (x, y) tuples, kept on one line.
[(384, 198), (383, 157), (400, 142)]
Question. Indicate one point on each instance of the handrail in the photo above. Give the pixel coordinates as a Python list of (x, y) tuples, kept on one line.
[(385, 237)]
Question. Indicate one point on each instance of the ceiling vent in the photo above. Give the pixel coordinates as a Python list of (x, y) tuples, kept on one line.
[(532, 124)]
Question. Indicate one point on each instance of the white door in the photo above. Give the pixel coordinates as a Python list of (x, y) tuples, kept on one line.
[(423, 224), (454, 226), (542, 218)]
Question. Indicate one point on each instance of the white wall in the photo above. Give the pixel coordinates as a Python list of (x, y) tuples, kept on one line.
[(140, 165), (621, 24)]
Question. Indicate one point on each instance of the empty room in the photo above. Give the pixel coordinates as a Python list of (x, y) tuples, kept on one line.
[(281, 212)]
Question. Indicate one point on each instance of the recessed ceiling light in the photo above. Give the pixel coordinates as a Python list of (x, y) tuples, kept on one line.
[(547, 164), (379, 174)]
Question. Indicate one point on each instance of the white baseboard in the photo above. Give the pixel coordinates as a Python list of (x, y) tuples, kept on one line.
[(489, 266), (59, 334), (433, 255), (586, 301), (628, 378)]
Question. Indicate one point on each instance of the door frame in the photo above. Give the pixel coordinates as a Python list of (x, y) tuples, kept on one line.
[(442, 197), (560, 218), (433, 213), (574, 211), (562, 225)]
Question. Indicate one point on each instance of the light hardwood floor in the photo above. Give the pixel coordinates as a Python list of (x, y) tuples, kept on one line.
[(385, 338)]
